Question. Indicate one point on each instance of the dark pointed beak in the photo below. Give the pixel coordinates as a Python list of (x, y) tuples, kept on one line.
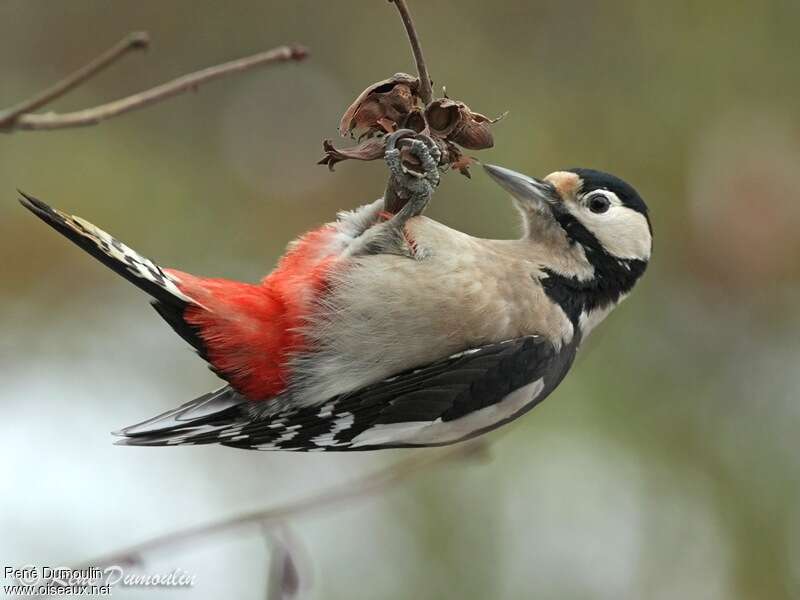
[(524, 189)]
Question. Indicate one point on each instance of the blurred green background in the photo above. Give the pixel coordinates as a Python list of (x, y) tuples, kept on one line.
[(666, 465)]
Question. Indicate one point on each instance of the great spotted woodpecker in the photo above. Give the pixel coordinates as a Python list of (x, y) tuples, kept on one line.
[(393, 330)]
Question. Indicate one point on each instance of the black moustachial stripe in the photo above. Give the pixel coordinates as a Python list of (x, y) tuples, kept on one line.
[(613, 276)]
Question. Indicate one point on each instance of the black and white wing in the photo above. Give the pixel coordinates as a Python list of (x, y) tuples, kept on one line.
[(449, 401)]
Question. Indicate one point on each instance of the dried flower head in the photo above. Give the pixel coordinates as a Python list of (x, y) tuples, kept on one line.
[(395, 103)]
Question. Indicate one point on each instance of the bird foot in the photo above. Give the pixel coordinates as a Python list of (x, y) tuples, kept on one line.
[(413, 161)]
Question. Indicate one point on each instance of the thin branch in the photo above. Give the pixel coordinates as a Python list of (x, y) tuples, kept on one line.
[(285, 577), (425, 89), (365, 486), (190, 82), (138, 40)]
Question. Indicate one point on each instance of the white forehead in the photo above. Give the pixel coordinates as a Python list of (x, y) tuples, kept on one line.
[(623, 232)]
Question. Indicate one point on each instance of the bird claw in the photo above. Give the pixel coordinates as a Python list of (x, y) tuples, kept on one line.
[(409, 187), (407, 194), (420, 147)]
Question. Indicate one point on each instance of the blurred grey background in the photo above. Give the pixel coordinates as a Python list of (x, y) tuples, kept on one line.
[(666, 466)]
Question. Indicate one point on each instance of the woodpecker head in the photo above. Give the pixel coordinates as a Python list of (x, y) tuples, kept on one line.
[(596, 214), (595, 209)]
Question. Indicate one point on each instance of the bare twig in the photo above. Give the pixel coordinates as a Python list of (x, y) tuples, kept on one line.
[(138, 40), (425, 89), (190, 82), (366, 486)]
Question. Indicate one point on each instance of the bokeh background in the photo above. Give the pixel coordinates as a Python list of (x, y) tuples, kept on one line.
[(665, 466)]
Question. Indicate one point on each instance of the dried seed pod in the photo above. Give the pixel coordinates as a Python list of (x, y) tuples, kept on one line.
[(381, 106), (444, 116), (455, 122), (392, 104), (415, 120), (371, 149), (475, 133)]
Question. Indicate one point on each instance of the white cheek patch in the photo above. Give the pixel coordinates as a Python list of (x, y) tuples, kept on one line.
[(623, 232)]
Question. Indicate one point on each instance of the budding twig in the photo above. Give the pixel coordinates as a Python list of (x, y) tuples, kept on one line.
[(425, 89), (19, 117), (271, 517)]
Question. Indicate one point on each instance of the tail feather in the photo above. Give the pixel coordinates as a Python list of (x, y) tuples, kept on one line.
[(242, 330), (211, 411), (169, 301), (137, 269)]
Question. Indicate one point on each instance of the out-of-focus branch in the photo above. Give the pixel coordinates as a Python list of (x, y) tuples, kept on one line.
[(138, 40), (286, 574), (19, 117), (425, 89), (366, 486)]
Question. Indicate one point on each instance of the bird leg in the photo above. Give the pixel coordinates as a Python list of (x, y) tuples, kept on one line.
[(407, 188)]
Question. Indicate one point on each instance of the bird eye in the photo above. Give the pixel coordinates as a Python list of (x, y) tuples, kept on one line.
[(598, 203)]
